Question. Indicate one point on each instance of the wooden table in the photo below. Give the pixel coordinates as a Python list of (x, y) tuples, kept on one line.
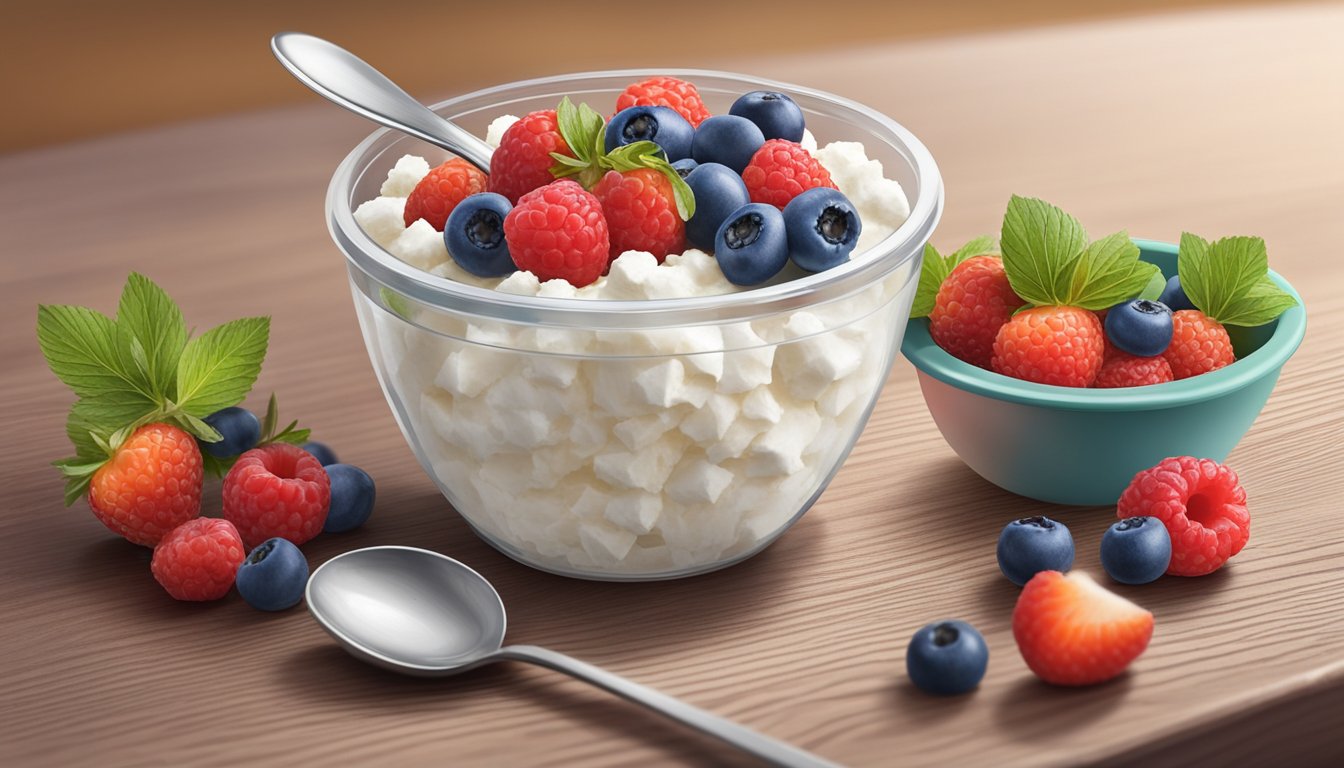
[(1220, 123)]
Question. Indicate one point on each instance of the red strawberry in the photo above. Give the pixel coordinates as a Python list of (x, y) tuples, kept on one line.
[(665, 92), (199, 559), (641, 213), (277, 490), (1199, 344), (1051, 345), (559, 231), (1122, 369), (973, 303), (523, 160), (1072, 631), (780, 171), (151, 485), (1203, 506), (439, 192)]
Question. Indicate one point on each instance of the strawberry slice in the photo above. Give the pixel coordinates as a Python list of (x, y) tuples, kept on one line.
[(1072, 631)]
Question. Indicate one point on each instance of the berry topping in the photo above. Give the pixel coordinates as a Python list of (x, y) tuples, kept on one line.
[(352, 495), (1033, 544), (320, 451), (663, 126), (947, 658), (1050, 345), (1139, 327), (641, 210), (1173, 295), (1136, 550), (474, 235), (1199, 344), (151, 485), (240, 429), (1122, 369), (823, 229), (718, 193), (777, 115), (665, 92), (1072, 631), (523, 160), (728, 140), (751, 245), (439, 192), (780, 171), (559, 232), (1202, 505), (199, 559), (273, 576), (277, 490), (973, 303)]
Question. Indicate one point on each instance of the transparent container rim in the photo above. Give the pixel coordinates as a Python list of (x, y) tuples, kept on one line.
[(885, 256)]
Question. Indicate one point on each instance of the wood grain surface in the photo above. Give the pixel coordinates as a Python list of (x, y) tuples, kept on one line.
[(1219, 123)]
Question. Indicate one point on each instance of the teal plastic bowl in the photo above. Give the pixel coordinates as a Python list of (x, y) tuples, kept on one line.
[(1083, 446)]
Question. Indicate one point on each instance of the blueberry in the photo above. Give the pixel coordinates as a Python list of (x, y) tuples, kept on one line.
[(718, 192), (684, 167), (273, 576), (1136, 550), (823, 228), (947, 658), (663, 126), (352, 495), (751, 246), (1140, 327), (777, 115), (474, 235), (240, 429), (321, 452), (1174, 295), (1033, 544), (728, 140)]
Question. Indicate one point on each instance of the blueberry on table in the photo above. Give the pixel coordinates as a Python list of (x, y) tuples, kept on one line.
[(823, 228), (474, 235), (719, 191), (777, 115), (240, 428), (1140, 327), (728, 140), (1136, 550), (321, 452), (751, 246), (663, 126), (947, 658), (1174, 295), (1030, 545), (273, 576), (352, 495)]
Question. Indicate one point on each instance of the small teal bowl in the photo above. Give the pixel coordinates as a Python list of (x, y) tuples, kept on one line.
[(1066, 445)]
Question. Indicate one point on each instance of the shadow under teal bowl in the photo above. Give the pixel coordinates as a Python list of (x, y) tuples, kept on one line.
[(1069, 445)]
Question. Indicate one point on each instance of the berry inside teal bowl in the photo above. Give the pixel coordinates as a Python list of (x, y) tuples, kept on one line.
[(1082, 446)]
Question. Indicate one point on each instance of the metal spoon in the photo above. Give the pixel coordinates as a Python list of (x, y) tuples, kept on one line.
[(421, 613), (349, 81)]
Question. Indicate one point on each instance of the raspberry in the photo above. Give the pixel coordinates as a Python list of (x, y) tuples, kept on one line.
[(523, 161), (641, 213), (780, 171), (559, 232), (1199, 344), (151, 485), (1203, 506), (277, 490), (439, 192), (973, 303), (199, 559), (665, 92), (1122, 369), (1050, 345)]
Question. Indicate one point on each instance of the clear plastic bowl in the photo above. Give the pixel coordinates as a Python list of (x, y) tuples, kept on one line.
[(607, 439)]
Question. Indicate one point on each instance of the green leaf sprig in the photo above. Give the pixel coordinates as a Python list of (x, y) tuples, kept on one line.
[(291, 433), (1228, 280), (936, 268)]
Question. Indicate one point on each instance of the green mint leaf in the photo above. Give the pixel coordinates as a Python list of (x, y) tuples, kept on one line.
[(81, 348), (1259, 305), (1108, 273), (292, 435), (75, 488), (977, 247), (1219, 275), (216, 466), (272, 416), (646, 154), (1041, 247), (932, 272), (92, 423), (155, 326), (77, 467), (218, 368), (582, 129), (1157, 283), (198, 429)]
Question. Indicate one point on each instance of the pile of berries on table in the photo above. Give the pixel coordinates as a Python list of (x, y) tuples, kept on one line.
[(568, 192)]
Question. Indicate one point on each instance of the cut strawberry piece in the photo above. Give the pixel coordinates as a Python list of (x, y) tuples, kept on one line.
[(1072, 631)]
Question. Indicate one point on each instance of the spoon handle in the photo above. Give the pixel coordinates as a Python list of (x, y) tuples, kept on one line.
[(764, 747), (349, 81)]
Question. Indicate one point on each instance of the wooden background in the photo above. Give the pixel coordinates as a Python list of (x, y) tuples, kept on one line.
[(1219, 122)]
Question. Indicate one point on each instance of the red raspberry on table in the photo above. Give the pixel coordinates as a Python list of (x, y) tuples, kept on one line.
[(1203, 506), (972, 304), (1051, 345), (277, 490), (151, 485), (439, 192), (641, 213), (665, 92), (1122, 369), (1199, 344), (523, 161), (1072, 631), (780, 171), (559, 232), (199, 559)]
